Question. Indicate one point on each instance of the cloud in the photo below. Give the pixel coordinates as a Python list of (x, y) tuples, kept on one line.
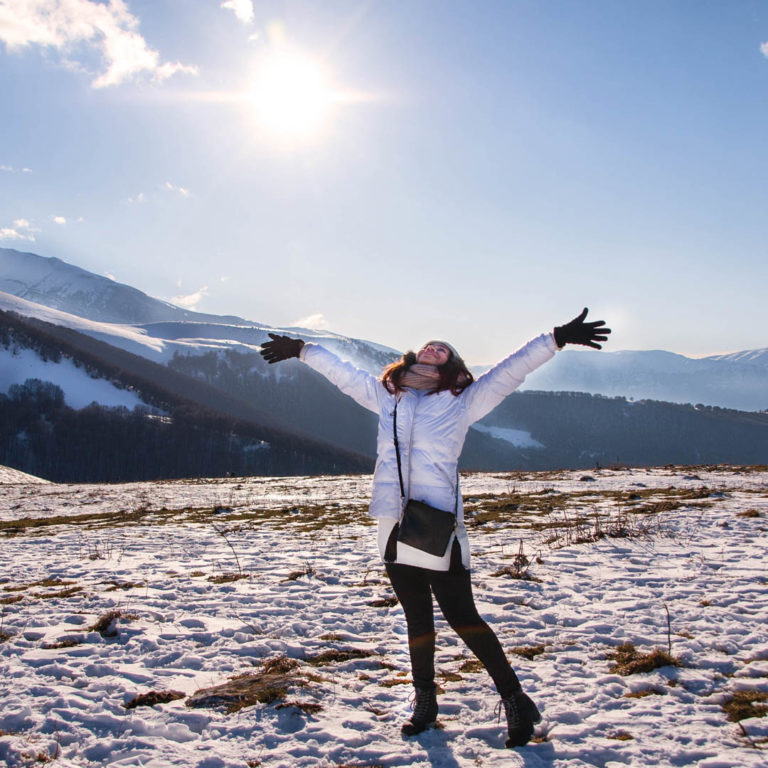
[(60, 219), (243, 9), (764, 48), (316, 322), (10, 168), (192, 300), (174, 188), (138, 198), (77, 28), (21, 230)]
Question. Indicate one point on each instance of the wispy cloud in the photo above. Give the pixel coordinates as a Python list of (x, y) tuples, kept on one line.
[(317, 322), (10, 168), (60, 219), (243, 9), (190, 301), (75, 28), (764, 48), (20, 230), (140, 198), (169, 187)]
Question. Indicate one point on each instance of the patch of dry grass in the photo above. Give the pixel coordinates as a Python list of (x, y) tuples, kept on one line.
[(106, 624), (269, 683), (338, 656), (384, 602), (629, 661), (67, 642), (529, 652), (308, 707), (745, 704), (226, 578), (151, 698)]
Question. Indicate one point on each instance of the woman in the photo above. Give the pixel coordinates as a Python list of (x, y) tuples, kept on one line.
[(426, 402)]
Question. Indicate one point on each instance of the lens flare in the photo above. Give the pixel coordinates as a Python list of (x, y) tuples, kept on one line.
[(292, 95)]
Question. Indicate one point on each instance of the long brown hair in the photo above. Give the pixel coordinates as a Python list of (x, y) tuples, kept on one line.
[(454, 375)]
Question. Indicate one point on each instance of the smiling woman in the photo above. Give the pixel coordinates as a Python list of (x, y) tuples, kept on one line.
[(291, 94)]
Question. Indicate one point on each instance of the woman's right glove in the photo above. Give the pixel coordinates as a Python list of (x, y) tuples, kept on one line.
[(280, 348), (579, 332)]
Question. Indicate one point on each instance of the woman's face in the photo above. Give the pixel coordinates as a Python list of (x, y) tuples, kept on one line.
[(433, 353)]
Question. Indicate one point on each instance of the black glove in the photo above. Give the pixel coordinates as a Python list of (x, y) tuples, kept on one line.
[(280, 348), (579, 332)]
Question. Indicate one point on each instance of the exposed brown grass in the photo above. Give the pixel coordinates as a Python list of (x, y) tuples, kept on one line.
[(385, 602), (308, 707), (151, 698), (628, 661), (67, 642), (105, 625), (644, 692), (269, 683), (529, 652), (226, 578), (338, 656), (123, 585), (68, 592), (746, 704)]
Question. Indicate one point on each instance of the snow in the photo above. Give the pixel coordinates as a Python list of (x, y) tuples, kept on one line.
[(518, 437), (8, 475), (79, 388), (126, 337), (701, 560)]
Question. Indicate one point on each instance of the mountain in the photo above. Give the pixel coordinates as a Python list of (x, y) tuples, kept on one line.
[(184, 424), (301, 424), (738, 381), (213, 362), (55, 283), (128, 318)]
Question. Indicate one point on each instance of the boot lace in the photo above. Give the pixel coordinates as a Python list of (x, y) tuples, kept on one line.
[(420, 701), (511, 710)]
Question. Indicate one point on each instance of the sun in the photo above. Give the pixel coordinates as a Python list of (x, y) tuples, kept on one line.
[(292, 95)]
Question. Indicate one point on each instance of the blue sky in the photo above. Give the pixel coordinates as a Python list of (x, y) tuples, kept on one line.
[(482, 170)]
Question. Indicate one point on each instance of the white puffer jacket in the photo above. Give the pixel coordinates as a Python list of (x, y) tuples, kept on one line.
[(431, 432)]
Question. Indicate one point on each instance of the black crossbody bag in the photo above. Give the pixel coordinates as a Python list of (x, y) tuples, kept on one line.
[(423, 526)]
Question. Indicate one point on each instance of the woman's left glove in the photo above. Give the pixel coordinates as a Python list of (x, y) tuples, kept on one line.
[(280, 348), (579, 332)]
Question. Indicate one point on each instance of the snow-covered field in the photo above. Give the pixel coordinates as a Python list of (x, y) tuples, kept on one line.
[(165, 556)]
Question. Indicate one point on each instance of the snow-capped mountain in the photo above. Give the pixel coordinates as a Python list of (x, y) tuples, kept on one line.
[(737, 381), (59, 285), (60, 293)]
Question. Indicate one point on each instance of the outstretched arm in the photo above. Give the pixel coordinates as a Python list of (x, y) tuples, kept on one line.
[(505, 377), (360, 385)]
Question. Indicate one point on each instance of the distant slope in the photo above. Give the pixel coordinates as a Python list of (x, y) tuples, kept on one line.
[(175, 392), (738, 381), (57, 284), (580, 430)]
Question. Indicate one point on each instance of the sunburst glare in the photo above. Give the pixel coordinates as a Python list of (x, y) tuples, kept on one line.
[(292, 95)]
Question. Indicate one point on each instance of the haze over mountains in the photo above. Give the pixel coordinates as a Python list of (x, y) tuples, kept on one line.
[(738, 380), (218, 408)]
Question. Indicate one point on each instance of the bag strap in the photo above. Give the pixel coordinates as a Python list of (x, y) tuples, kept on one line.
[(400, 470), (397, 452)]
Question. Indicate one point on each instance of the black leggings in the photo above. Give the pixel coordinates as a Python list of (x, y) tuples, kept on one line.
[(453, 592)]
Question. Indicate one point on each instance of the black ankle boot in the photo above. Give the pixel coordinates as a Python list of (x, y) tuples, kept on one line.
[(424, 711), (522, 715)]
